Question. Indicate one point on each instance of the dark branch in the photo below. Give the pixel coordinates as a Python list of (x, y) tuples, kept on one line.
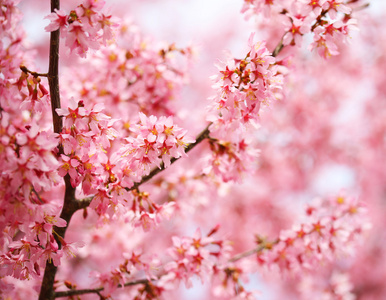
[(70, 205), (34, 74), (53, 72), (96, 290)]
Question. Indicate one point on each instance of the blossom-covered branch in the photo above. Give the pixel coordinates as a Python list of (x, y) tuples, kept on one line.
[(334, 227)]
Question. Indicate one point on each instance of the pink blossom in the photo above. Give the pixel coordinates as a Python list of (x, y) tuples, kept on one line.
[(337, 6), (296, 28), (59, 20)]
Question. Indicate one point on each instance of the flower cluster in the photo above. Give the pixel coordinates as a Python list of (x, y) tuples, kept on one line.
[(84, 28), (197, 256), (86, 136), (327, 36), (156, 141), (134, 75), (230, 161), (28, 169), (334, 228), (228, 282), (134, 264), (194, 256), (189, 257), (110, 174), (26, 256), (330, 21), (242, 87), (333, 285)]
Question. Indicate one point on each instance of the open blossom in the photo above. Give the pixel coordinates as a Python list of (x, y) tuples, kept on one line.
[(59, 20), (73, 114), (78, 39), (296, 28), (326, 37), (324, 44), (336, 6)]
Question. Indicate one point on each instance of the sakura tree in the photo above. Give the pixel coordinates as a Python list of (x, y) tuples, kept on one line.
[(128, 173)]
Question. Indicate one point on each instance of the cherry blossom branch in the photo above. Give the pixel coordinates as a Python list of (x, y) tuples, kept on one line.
[(34, 74), (96, 290), (71, 204)]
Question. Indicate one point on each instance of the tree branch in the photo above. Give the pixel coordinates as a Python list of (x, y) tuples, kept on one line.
[(34, 74), (96, 290), (53, 72), (70, 205)]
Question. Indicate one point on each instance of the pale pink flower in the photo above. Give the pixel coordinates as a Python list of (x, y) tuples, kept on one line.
[(78, 39), (59, 20)]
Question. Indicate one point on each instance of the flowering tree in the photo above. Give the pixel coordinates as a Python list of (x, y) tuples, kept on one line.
[(99, 197)]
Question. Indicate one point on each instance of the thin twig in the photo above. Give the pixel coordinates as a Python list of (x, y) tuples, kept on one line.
[(247, 253), (366, 5), (265, 245), (96, 290), (279, 47), (37, 195), (34, 74)]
